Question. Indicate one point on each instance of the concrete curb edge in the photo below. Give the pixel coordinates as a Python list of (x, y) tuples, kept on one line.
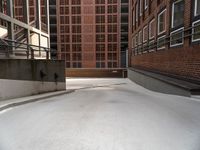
[(31, 100)]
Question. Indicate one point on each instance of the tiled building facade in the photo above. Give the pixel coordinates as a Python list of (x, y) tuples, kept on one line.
[(165, 37), (88, 33)]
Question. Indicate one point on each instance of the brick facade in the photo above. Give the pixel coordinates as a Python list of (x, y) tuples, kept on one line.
[(173, 51), (88, 33)]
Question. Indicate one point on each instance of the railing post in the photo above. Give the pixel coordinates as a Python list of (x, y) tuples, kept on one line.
[(47, 54), (32, 53)]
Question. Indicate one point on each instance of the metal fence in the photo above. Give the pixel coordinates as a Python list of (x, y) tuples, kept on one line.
[(15, 49)]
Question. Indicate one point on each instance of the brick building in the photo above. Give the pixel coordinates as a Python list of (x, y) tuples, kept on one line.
[(87, 33), (25, 22), (165, 37)]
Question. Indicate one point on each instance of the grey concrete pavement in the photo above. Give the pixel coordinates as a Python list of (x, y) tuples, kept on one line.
[(6, 104), (103, 114)]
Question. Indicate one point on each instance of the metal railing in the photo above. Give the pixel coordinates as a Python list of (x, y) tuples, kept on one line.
[(10, 48), (153, 45)]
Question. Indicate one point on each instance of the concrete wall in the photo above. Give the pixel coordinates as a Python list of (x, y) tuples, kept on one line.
[(20, 78), (155, 84)]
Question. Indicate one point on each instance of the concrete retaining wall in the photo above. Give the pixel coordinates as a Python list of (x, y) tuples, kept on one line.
[(97, 73), (20, 78), (155, 84)]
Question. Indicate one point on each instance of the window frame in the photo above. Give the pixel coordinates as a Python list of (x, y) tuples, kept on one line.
[(133, 17), (194, 40), (162, 12), (174, 45), (136, 12), (143, 37), (141, 8), (140, 38), (161, 48), (195, 8), (136, 44), (150, 25), (145, 4), (172, 21), (151, 42)]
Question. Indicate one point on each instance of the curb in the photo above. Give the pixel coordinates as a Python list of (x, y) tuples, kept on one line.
[(34, 99)]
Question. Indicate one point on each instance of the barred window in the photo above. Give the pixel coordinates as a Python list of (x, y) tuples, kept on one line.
[(76, 10), (100, 9), (76, 29), (76, 2), (76, 19), (100, 19), (100, 1), (112, 9), (177, 37), (100, 38), (112, 18), (161, 42), (196, 31), (100, 28), (197, 8)]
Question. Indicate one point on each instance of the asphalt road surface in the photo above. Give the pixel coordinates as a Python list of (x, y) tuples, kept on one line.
[(103, 114)]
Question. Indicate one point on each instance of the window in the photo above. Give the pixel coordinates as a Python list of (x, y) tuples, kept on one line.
[(196, 31), (132, 46), (100, 9), (100, 28), (112, 1), (177, 13), (140, 38), (136, 40), (112, 28), (112, 9), (140, 42), (136, 43), (161, 42), (100, 1), (76, 10), (152, 29), (76, 2), (176, 37), (140, 7), (136, 13), (145, 34), (100, 38), (162, 22), (76, 29), (133, 17), (100, 19), (112, 18), (151, 45), (133, 42), (76, 19), (112, 38), (145, 4), (197, 8)]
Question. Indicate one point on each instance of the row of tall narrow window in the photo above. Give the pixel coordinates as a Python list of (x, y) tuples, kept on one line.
[(177, 28)]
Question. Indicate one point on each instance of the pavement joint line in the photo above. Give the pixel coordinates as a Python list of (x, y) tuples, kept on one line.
[(34, 99)]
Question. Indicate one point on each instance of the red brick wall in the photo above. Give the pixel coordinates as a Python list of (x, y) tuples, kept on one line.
[(88, 34), (180, 61), (183, 60)]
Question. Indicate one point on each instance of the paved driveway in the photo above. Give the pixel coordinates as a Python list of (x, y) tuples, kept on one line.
[(103, 114)]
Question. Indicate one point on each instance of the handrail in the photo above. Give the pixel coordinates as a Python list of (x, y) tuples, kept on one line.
[(23, 47), (150, 45)]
